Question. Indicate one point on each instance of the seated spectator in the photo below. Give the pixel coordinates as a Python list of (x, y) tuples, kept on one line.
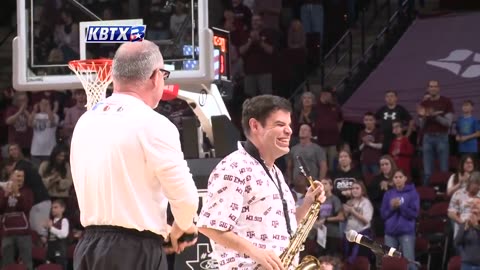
[(400, 209), (56, 173), (58, 228), (458, 180), (15, 205), (358, 212)]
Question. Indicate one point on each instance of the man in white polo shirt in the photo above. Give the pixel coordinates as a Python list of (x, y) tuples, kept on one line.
[(127, 165)]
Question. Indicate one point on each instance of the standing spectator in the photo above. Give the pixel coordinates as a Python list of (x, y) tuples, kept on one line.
[(390, 112), (331, 215), (383, 181), (66, 35), (177, 19), (328, 125), (73, 113), (257, 53), (435, 117), (44, 123), (311, 14), (306, 114), (56, 174), (344, 177), (58, 230), (270, 11), (243, 15), (358, 212), (401, 149), (467, 165), (157, 17), (468, 238), (313, 155), (15, 206), (460, 208), (468, 130), (16, 118), (40, 211), (370, 145), (400, 209)]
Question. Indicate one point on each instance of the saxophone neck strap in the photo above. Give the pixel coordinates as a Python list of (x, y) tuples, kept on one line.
[(252, 150)]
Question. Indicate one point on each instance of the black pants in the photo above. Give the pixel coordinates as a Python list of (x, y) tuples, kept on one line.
[(117, 248)]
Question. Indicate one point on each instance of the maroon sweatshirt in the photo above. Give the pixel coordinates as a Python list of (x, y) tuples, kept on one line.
[(15, 211)]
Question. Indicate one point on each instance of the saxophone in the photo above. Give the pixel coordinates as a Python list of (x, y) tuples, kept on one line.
[(301, 234)]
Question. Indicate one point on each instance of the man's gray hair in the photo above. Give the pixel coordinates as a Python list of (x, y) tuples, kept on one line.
[(136, 61)]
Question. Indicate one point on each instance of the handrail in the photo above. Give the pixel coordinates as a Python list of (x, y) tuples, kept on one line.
[(391, 20), (12, 31), (365, 50)]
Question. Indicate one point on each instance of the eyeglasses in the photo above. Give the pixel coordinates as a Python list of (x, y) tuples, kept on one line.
[(166, 73)]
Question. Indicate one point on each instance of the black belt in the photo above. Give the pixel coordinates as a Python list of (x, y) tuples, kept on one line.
[(122, 230)]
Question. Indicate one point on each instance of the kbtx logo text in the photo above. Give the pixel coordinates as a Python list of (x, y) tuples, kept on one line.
[(115, 34)]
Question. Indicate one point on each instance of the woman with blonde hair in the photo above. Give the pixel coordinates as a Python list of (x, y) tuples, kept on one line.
[(358, 212)]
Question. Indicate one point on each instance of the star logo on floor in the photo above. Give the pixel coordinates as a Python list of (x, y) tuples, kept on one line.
[(462, 62), (204, 260)]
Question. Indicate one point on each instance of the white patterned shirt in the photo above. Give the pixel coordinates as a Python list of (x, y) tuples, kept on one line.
[(243, 199)]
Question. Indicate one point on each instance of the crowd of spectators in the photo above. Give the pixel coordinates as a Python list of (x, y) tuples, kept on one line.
[(397, 178)]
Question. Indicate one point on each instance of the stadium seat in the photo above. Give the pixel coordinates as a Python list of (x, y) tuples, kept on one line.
[(15, 266), (39, 253), (438, 210), (50, 266), (427, 196), (455, 263), (439, 178), (360, 263), (392, 263)]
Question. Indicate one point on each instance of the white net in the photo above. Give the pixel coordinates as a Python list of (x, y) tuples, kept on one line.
[(95, 76)]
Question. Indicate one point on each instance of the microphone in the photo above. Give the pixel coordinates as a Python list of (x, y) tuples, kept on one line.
[(354, 237)]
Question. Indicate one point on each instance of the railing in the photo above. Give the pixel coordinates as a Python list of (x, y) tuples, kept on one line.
[(343, 48), (372, 49), (12, 31)]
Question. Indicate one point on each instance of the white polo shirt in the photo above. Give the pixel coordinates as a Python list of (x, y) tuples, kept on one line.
[(127, 163)]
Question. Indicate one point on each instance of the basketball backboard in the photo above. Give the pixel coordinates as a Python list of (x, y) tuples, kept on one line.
[(51, 34)]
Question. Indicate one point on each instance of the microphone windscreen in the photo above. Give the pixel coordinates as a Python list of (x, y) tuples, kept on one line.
[(351, 235)]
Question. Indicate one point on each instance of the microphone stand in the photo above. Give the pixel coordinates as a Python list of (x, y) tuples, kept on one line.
[(378, 260)]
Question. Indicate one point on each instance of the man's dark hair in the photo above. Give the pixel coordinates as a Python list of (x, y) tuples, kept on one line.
[(369, 114), (468, 101), (60, 202), (260, 108), (391, 92)]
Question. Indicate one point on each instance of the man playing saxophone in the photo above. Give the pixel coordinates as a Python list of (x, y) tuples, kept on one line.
[(249, 212)]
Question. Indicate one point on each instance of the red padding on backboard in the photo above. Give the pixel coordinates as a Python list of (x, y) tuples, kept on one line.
[(170, 92)]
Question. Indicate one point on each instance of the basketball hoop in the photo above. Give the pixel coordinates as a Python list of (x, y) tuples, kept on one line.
[(95, 75)]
